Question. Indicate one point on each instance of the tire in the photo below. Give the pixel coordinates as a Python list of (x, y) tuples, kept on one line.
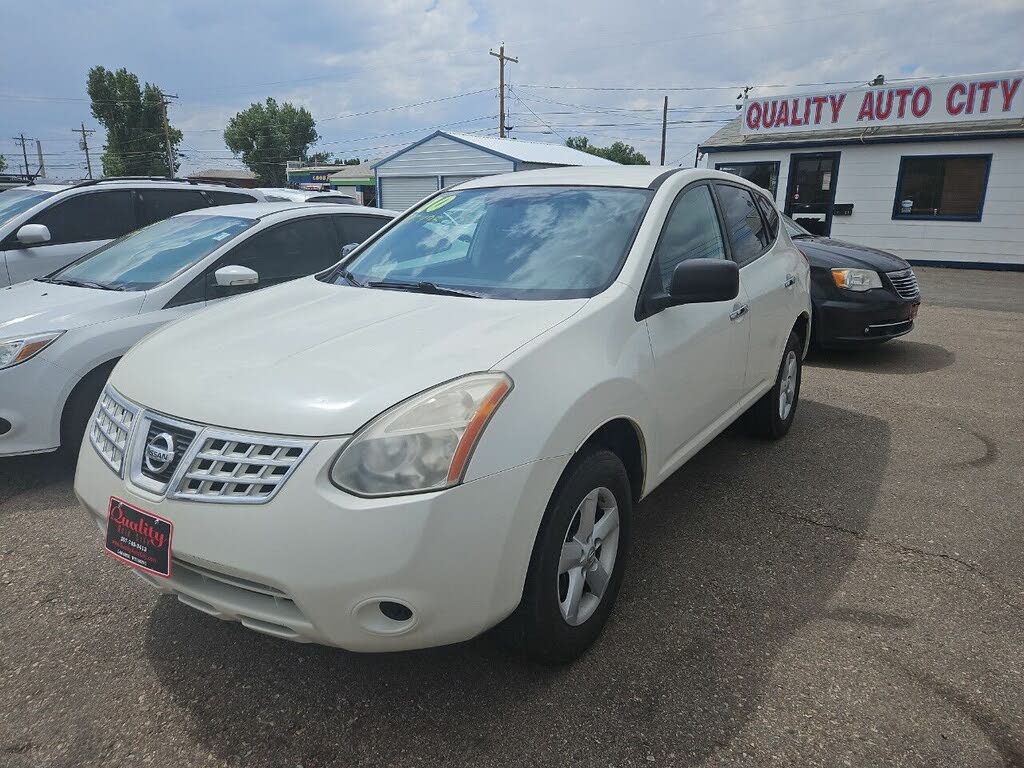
[(78, 409), (771, 416), (562, 612)]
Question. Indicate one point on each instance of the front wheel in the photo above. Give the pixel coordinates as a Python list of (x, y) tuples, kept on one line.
[(772, 415), (578, 561)]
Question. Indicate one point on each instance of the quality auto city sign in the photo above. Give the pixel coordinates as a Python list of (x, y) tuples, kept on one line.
[(997, 96)]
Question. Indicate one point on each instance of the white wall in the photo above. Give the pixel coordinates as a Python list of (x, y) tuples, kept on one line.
[(441, 156), (867, 178)]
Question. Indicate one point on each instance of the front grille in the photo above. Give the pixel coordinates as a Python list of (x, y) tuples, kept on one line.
[(241, 468), (111, 427), (905, 283), (181, 440)]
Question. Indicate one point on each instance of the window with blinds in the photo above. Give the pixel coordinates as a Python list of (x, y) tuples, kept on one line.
[(948, 187)]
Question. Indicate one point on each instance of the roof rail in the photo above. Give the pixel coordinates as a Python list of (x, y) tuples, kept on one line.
[(104, 179)]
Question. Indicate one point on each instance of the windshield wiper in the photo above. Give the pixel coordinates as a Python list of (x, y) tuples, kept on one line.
[(82, 284), (422, 286)]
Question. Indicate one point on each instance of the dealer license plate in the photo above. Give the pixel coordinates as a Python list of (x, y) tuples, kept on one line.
[(139, 538)]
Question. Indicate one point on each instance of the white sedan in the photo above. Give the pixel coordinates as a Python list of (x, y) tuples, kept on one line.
[(450, 429), (61, 335)]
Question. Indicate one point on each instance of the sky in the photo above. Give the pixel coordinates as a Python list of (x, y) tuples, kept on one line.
[(380, 74)]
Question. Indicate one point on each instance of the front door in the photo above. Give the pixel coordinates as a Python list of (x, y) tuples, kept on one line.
[(700, 350), (811, 191)]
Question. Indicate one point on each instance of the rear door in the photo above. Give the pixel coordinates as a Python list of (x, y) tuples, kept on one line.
[(78, 224), (754, 245), (700, 350)]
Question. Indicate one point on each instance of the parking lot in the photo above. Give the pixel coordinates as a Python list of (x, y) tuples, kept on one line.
[(851, 595)]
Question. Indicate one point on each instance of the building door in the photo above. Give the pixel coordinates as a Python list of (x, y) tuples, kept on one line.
[(811, 191), (400, 192)]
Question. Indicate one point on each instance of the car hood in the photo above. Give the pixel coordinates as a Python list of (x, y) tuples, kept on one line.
[(314, 359), (34, 307), (828, 253)]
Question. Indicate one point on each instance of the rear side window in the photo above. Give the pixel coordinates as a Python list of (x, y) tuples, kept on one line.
[(747, 233), (771, 216), (285, 252), (356, 229), (159, 204), (217, 197), (89, 216), (691, 232)]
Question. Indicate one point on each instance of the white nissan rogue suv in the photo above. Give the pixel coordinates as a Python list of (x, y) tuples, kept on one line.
[(449, 429)]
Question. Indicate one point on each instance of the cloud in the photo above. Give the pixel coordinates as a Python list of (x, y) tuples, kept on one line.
[(365, 55)]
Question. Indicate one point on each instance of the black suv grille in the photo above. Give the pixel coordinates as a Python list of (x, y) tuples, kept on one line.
[(182, 439)]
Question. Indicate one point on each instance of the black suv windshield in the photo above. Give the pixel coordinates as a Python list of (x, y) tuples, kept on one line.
[(506, 242), (153, 255), (19, 199)]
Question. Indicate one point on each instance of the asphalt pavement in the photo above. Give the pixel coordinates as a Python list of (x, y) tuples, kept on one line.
[(851, 595)]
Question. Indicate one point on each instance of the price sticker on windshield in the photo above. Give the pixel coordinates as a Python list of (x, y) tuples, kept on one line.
[(438, 204)]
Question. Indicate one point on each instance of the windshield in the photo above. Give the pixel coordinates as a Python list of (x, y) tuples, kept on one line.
[(18, 200), (151, 256), (794, 229), (507, 242)]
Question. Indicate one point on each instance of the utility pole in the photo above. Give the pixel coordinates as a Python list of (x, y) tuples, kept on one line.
[(24, 152), (164, 101), (664, 128), (84, 144), (39, 154), (502, 58)]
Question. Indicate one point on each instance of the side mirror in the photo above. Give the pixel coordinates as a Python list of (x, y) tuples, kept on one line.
[(699, 281), (234, 276), (33, 234), (347, 249)]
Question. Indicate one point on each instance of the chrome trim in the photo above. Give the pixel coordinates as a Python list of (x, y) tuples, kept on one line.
[(94, 426), (138, 451)]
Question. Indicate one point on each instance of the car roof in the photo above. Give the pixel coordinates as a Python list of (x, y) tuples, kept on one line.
[(637, 176), (264, 210)]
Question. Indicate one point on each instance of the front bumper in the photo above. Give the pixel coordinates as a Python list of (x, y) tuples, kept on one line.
[(875, 316), (32, 397), (313, 564)]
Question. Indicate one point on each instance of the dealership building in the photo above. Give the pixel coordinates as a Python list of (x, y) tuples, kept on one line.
[(932, 170)]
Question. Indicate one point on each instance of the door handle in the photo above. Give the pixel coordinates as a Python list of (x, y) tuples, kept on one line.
[(738, 311), (790, 281)]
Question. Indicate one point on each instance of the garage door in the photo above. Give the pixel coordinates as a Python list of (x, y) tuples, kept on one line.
[(449, 181), (400, 192)]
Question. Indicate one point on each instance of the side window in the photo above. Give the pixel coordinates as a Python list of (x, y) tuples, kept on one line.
[(356, 229), (691, 231), (747, 233), (771, 216), (89, 216), (159, 204), (217, 197), (285, 252)]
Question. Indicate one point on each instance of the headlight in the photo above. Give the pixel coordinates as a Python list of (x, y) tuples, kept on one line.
[(424, 443), (856, 279), (14, 351)]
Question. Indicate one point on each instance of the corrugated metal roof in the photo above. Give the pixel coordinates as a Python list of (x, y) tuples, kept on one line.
[(729, 136), (531, 151)]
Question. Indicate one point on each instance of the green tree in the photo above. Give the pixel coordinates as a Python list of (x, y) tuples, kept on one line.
[(3, 163), (619, 152), (268, 135), (133, 118)]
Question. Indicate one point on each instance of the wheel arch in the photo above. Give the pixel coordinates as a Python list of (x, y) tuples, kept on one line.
[(623, 437), (802, 328), (87, 380)]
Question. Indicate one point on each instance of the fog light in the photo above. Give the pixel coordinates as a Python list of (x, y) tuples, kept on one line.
[(5, 426), (385, 616), (395, 611)]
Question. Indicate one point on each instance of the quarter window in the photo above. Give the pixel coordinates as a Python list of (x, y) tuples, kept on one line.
[(691, 231), (89, 216), (949, 187), (771, 216), (218, 197), (747, 233), (159, 204)]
